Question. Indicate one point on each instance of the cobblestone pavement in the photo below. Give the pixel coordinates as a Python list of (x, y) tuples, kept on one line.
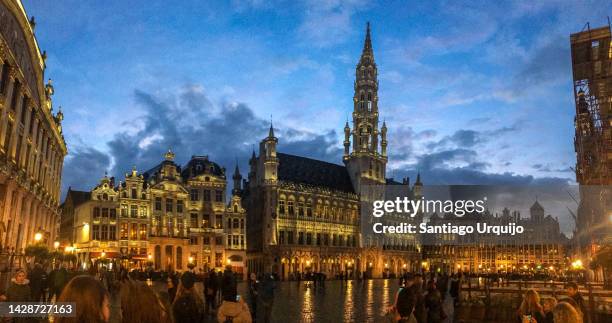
[(351, 301)]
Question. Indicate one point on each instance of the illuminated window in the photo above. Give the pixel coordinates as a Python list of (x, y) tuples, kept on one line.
[(143, 232), (290, 207), (124, 231), (134, 231), (281, 207), (169, 205)]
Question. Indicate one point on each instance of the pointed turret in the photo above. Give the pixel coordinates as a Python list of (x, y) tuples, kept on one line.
[(271, 131), (237, 181), (347, 140), (367, 44)]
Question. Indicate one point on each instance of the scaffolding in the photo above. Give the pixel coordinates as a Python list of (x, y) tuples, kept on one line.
[(592, 74)]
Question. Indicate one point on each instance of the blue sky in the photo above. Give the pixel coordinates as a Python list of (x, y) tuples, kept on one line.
[(473, 93)]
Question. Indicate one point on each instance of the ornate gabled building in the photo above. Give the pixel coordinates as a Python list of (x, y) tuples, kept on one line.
[(168, 217), (541, 246), (304, 214), (32, 146)]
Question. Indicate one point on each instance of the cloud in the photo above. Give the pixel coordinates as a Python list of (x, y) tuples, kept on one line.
[(83, 168), (190, 124), (328, 22)]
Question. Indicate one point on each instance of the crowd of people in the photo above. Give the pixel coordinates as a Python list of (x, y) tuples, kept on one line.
[(420, 300), (92, 294)]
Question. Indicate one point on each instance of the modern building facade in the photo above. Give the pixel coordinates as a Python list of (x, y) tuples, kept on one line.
[(32, 146), (303, 214)]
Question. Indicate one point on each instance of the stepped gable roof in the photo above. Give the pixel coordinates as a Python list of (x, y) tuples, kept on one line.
[(313, 172)]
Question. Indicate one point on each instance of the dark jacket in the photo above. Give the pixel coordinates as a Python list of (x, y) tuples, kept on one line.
[(186, 309), (18, 292), (229, 286), (433, 302)]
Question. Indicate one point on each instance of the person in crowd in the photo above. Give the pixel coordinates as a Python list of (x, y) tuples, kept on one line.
[(253, 286), (233, 309), (172, 285), (548, 306), (454, 288), (139, 303), (572, 291), (530, 308), (19, 289), (58, 279), (91, 301), (229, 284), (187, 306), (266, 296), (433, 303), (210, 290), (573, 303), (416, 284), (566, 313), (403, 306), (37, 277)]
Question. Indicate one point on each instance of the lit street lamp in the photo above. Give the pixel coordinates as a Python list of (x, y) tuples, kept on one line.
[(37, 236)]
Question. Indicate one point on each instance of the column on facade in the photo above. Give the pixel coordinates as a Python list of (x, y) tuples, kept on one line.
[(7, 99)]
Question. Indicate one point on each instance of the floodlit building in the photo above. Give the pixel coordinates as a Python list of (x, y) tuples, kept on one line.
[(32, 146), (303, 215)]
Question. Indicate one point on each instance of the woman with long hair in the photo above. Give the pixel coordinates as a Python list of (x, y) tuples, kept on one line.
[(566, 313), (90, 298), (530, 308), (139, 303), (188, 305)]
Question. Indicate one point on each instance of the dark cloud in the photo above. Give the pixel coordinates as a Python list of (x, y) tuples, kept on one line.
[(548, 64), (467, 138), (189, 124), (83, 167)]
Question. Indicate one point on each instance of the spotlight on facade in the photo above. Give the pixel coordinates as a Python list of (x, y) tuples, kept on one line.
[(56, 244), (150, 257), (404, 266), (370, 264), (37, 236)]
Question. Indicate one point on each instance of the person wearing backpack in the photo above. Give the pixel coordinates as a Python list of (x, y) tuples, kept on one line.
[(234, 310)]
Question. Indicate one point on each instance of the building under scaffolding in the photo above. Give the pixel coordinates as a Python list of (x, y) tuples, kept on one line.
[(592, 74)]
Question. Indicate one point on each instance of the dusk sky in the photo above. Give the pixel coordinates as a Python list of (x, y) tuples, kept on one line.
[(472, 94)]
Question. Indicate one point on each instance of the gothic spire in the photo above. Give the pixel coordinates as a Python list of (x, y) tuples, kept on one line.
[(367, 45), (271, 132)]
